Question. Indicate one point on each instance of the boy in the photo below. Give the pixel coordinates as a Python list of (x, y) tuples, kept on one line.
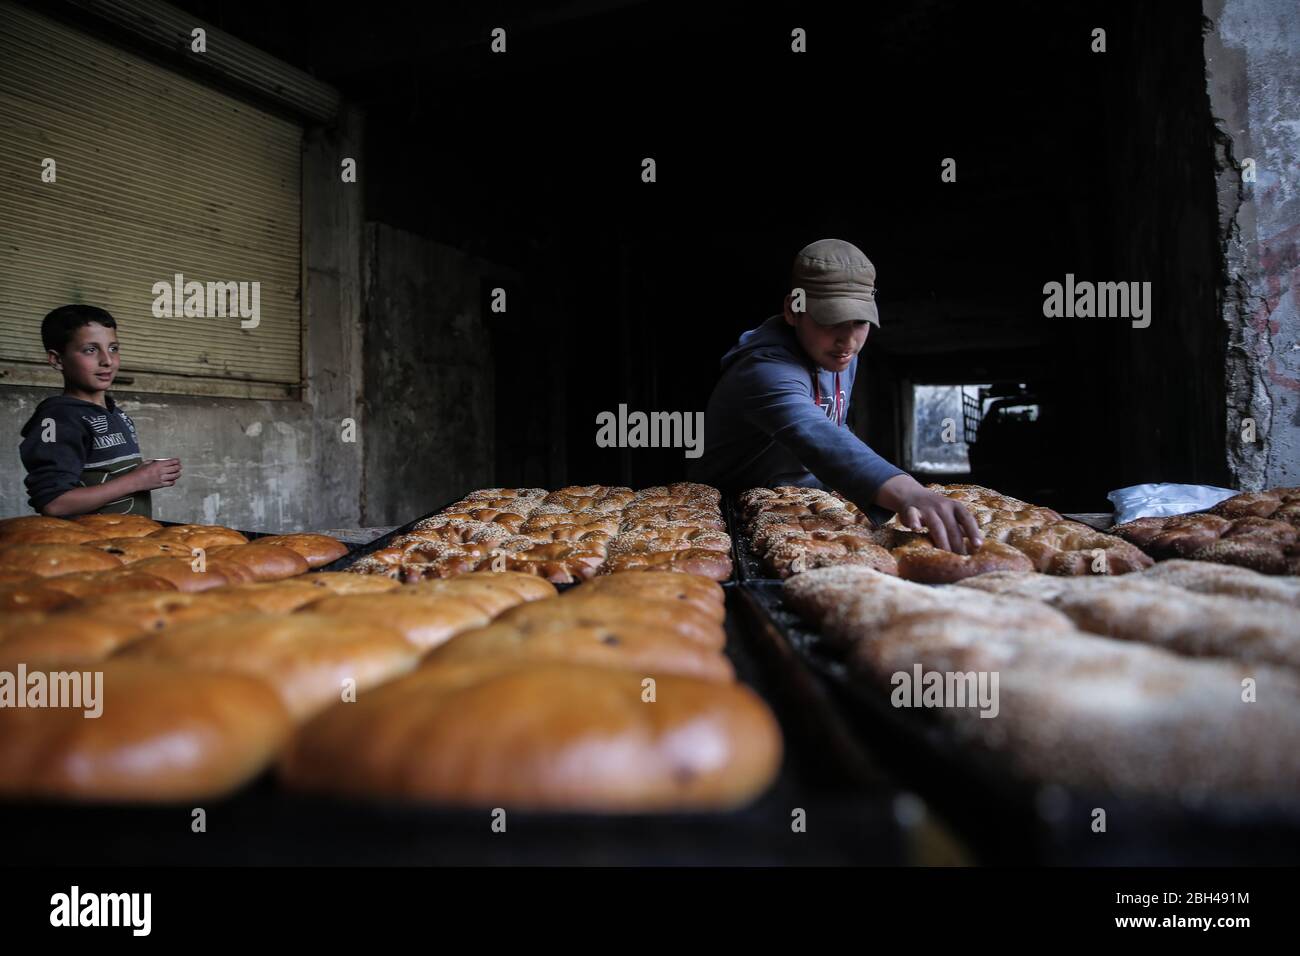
[(79, 448), (778, 414)]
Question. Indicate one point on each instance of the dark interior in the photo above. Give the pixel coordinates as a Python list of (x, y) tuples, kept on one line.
[(1068, 161)]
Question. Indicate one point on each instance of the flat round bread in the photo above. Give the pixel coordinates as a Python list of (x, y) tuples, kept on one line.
[(18, 598), (130, 550), (703, 594), (424, 621), (10, 526), (308, 658), (71, 534), (596, 609), (272, 597), (200, 535), (644, 648), (715, 565), (149, 612), (48, 560), (164, 734), (94, 583), (345, 582), (492, 592), (67, 639), (118, 526), (591, 741), (267, 562), (317, 549), (180, 572)]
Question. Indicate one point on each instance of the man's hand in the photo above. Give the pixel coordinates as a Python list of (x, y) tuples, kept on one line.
[(950, 525)]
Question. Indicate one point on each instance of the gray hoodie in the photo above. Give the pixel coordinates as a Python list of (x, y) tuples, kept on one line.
[(773, 421)]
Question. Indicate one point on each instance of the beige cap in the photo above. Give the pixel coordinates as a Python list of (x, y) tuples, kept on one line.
[(838, 280)]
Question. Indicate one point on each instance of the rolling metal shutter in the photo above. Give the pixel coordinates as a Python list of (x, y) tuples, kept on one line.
[(156, 175)]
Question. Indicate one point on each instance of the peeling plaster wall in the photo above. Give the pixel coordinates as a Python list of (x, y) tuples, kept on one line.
[(1252, 54)]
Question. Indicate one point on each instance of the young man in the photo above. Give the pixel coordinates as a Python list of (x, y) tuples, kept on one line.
[(778, 414), (80, 450)]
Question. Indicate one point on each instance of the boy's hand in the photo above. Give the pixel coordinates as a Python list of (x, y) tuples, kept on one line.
[(950, 525), (159, 473)]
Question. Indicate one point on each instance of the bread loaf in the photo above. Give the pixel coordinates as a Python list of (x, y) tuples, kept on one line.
[(165, 734), (310, 659), (452, 734)]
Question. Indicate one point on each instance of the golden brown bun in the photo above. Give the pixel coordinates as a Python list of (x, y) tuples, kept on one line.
[(1071, 548), (306, 657), (49, 560), (149, 612), (66, 639), (922, 561), (200, 535), (8, 578), (648, 649), (560, 562), (424, 621), (701, 593), (344, 582), (317, 549), (165, 734), (17, 623), (681, 619), (1176, 536), (266, 562), (179, 572), (18, 598), (69, 535), (93, 583), (272, 597), (10, 526), (130, 550), (1261, 504), (715, 565), (492, 592), (118, 526), (793, 552), (669, 538), (235, 572), (453, 734)]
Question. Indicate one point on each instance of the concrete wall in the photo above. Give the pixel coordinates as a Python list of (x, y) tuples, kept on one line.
[(260, 465), (429, 372), (247, 464), (1252, 55)]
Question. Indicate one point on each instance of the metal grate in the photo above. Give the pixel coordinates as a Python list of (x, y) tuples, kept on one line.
[(972, 413)]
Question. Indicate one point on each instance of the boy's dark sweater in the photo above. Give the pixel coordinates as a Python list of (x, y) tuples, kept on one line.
[(87, 445)]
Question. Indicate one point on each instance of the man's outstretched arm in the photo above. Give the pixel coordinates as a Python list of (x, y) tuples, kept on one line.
[(784, 410)]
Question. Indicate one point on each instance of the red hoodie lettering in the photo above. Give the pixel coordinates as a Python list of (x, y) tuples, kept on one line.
[(833, 406)]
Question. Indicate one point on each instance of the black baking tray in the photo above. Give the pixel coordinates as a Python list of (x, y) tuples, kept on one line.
[(357, 552), (748, 565), (1006, 820), (850, 806)]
